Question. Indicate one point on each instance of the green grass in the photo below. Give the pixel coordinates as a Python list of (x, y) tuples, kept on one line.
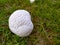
[(45, 16)]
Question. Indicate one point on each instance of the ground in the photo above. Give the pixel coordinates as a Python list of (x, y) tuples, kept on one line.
[(45, 17)]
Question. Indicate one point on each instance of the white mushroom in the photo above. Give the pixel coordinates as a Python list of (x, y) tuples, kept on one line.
[(20, 23), (31, 1)]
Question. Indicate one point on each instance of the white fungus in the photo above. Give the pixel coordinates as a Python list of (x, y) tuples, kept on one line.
[(20, 23), (31, 1)]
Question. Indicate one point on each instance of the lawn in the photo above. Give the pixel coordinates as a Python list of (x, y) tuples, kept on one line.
[(45, 17)]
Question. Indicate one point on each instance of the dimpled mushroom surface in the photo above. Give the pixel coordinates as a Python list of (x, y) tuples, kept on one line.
[(20, 23)]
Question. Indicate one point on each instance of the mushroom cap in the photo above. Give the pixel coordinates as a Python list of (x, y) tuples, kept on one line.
[(20, 23), (31, 1)]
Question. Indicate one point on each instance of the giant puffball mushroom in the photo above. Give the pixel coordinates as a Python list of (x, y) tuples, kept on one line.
[(20, 23), (31, 1)]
